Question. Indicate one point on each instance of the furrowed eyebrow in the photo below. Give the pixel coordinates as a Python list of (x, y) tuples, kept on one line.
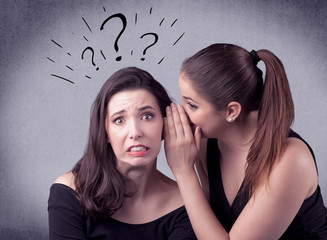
[(117, 113), (145, 107), (139, 109)]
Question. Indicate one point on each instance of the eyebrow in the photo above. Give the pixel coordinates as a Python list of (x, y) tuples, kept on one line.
[(146, 107), (188, 98), (139, 109), (117, 113)]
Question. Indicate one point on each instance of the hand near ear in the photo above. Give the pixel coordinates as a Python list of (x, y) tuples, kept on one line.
[(181, 147)]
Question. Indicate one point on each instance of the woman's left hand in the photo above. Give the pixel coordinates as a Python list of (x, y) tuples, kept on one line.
[(181, 147)]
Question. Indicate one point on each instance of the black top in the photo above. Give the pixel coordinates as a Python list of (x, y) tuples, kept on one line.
[(68, 220), (309, 223)]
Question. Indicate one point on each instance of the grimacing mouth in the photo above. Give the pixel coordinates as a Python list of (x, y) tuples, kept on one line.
[(137, 148)]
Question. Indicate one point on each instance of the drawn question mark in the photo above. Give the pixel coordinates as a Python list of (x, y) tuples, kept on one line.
[(155, 41), (92, 51), (124, 21)]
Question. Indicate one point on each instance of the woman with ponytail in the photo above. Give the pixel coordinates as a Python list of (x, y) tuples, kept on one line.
[(258, 178)]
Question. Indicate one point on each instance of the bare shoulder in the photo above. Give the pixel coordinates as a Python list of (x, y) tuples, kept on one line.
[(298, 154), (296, 165), (66, 179)]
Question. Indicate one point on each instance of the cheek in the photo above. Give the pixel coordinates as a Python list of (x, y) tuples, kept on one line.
[(115, 138), (157, 133), (193, 117)]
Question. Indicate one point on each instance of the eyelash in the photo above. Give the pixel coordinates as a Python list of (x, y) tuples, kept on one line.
[(119, 118), (192, 106), (148, 116)]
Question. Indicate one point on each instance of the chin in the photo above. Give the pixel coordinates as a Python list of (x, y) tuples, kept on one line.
[(142, 161)]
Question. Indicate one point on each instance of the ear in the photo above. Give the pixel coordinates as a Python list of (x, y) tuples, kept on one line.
[(233, 111)]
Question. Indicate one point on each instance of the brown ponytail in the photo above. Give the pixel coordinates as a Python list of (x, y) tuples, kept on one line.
[(222, 73), (276, 114)]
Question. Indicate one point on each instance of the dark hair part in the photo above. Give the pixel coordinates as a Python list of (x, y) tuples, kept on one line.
[(222, 73), (99, 186)]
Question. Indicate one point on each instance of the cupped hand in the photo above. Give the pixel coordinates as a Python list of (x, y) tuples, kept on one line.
[(181, 146)]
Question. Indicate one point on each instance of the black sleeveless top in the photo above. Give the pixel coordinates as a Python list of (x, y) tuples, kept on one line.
[(309, 223)]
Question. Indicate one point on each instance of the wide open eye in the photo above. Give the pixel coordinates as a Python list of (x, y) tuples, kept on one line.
[(147, 116), (118, 121)]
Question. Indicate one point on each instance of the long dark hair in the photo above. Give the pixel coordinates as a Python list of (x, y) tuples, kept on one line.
[(222, 73), (99, 186)]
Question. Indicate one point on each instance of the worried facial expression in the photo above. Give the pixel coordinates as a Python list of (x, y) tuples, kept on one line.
[(134, 127), (200, 112)]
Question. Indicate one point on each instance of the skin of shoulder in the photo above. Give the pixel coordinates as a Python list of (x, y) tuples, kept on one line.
[(293, 179), (66, 179), (297, 166), (298, 161)]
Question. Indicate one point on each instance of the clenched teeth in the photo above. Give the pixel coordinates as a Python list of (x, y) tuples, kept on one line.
[(137, 149)]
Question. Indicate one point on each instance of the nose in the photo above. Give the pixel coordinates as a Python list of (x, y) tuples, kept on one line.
[(135, 130)]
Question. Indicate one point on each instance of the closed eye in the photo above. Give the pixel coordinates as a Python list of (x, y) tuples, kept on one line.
[(192, 106)]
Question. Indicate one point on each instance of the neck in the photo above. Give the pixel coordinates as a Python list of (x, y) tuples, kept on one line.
[(240, 135), (141, 180), (145, 185)]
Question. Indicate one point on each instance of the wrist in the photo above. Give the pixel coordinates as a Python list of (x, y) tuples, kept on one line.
[(185, 174)]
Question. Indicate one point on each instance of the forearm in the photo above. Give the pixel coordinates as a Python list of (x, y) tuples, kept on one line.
[(205, 224)]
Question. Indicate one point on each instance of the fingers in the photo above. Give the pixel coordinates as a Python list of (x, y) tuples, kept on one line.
[(185, 122), (170, 131), (173, 125), (177, 120), (177, 123)]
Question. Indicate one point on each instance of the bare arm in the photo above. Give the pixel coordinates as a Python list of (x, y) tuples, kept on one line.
[(182, 152)]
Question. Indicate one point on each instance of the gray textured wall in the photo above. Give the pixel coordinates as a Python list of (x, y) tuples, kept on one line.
[(44, 119)]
